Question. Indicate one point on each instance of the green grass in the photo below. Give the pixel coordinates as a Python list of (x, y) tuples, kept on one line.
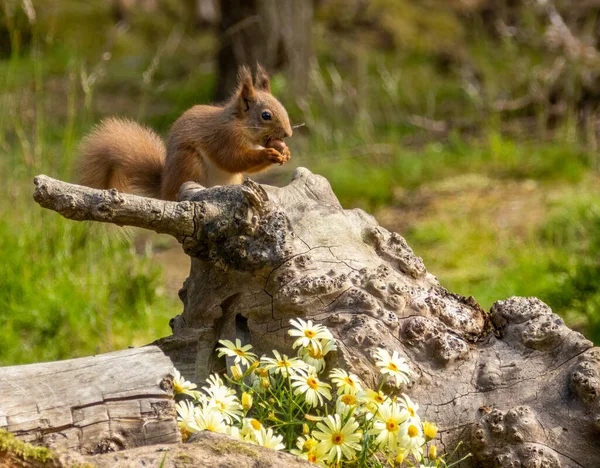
[(70, 290), (67, 289), (370, 180)]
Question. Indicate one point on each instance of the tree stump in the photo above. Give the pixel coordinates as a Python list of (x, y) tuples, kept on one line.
[(516, 385)]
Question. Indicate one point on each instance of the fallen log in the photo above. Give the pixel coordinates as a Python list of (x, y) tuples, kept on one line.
[(516, 385), (92, 405)]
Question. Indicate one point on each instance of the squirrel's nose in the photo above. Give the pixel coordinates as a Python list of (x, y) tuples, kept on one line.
[(287, 133)]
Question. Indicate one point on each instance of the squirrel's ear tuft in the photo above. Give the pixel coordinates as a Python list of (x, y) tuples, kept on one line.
[(262, 81), (245, 88)]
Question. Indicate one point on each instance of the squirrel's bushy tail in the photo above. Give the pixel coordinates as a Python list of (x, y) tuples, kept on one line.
[(121, 154)]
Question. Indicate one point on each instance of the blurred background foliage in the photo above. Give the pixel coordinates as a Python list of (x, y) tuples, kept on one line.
[(469, 126)]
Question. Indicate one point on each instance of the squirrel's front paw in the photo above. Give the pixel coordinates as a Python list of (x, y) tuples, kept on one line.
[(275, 156)]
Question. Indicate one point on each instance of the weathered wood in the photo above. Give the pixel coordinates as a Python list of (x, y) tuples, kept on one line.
[(516, 385), (109, 206), (94, 404)]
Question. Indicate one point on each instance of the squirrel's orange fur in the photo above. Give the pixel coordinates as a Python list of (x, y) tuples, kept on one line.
[(211, 145)]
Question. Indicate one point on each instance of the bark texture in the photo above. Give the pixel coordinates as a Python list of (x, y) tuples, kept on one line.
[(92, 405), (516, 385)]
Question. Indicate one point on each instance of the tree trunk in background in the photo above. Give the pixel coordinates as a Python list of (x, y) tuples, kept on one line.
[(275, 33)]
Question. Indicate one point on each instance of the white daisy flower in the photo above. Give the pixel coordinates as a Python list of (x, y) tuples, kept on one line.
[(209, 420), (371, 399), (233, 431), (186, 419), (309, 335), (411, 441), (309, 385), (239, 352), (316, 357), (180, 385), (388, 424), (394, 366), (250, 427), (336, 440), (222, 399), (282, 364), (346, 403), (345, 382), (411, 407), (308, 449), (266, 438)]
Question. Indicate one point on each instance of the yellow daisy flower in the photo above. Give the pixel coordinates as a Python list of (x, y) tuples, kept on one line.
[(430, 430)]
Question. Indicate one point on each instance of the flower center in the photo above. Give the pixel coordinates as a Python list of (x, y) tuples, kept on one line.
[(413, 431), (312, 457), (349, 381), (309, 334), (255, 424), (315, 354), (283, 364), (177, 388), (393, 366), (391, 426), (348, 399), (379, 399), (309, 444), (312, 383), (239, 352), (337, 438), (411, 411)]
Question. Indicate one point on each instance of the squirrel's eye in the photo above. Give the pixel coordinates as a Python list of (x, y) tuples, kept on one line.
[(266, 115)]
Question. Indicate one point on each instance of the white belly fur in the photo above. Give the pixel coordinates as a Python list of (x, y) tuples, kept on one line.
[(215, 176)]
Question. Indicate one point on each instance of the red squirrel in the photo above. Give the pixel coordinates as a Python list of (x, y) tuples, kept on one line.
[(210, 145)]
